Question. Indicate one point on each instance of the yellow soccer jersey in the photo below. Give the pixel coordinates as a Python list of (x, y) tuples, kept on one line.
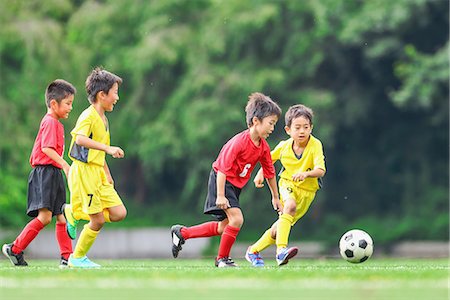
[(312, 158), (89, 124)]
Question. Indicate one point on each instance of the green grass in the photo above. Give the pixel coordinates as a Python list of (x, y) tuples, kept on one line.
[(199, 279)]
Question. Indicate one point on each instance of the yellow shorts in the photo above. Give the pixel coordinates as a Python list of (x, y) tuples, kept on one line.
[(303, 198), (90, 191)]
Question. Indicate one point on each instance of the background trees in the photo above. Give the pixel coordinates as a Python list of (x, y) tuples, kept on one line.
[(375, 73)]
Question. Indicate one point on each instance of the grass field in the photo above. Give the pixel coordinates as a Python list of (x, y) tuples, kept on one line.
[(199, 279)]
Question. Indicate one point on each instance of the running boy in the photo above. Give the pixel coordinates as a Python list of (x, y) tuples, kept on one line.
[(93, 196), (303, 165), (46, 186), (230, 172)]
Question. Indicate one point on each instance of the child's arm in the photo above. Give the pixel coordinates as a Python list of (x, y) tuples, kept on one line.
[(275, 155), (275, 196), (84, 141), (259, 179), (50, 152), (316, 173), (221, 201)]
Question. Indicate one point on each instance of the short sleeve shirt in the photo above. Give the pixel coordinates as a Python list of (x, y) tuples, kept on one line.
[(312, 158), (239, 156), (89, 124), (50, 135)]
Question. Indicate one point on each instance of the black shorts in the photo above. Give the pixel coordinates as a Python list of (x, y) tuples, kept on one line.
[(46, 189), (231, 193)]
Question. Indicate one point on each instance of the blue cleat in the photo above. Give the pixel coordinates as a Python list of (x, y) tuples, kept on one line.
[(285, 255), (82, 262), (254, 258)]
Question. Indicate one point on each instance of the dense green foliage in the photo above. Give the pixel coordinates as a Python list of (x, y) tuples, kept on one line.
[(375, 72), (199, 279)]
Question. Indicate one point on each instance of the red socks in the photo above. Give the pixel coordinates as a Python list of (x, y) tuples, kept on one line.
[(64, 242), (226, 242), (27, 235), (202, 230), (32, 229), (211, 229)]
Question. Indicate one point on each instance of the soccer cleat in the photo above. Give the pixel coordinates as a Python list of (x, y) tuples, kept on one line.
[(71, 224), (16, 259), (63, 263), (254, 258), (285, 255), (177, 239), (225, 262), (82, 262)]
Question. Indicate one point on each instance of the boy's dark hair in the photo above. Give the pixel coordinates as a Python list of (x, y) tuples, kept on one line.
[(296, 111), (260, 106), (100, 80), (58, 89)]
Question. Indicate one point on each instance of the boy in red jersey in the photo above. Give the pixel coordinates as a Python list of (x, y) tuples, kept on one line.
[(46, 187), (230, 172)]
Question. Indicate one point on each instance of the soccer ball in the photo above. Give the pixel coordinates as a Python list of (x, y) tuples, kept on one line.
[(356, 246)]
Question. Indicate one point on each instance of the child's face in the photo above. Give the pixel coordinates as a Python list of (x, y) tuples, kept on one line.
[(63, 108), (110, 99), (300, 129), (265, 126)]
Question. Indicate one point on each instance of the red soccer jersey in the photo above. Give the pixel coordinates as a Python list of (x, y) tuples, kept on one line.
[(239, 156), (50, 135)]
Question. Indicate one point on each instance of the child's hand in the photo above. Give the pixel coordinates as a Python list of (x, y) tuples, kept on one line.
[(222, 202), (66, 169), (259, 180), (115, 152), (300, 176), (277, 205)]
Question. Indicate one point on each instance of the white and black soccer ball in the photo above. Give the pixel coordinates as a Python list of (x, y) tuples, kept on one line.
[(356, 246)]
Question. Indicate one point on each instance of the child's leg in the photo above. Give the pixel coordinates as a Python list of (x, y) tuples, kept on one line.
[(285, 223), (64, 242), (230, 232), (206, 229), (88, 235), (31, 230), (115, 213), (283, 230), (181, 233), (266, 240)]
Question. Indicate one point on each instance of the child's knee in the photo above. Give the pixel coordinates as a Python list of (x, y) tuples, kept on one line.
[(44, 216), (118, 214), (45, 220), (221, 226), (236, 221), (290, 207)]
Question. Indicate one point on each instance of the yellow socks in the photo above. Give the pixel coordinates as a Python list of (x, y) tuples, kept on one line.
[(283, 229), (85, 241), (264, 241)]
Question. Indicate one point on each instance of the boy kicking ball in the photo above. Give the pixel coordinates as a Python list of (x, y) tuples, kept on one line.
[(303, 166)]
